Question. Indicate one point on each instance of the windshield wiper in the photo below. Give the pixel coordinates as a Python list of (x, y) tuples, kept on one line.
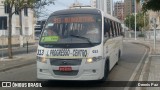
[(82, 38)]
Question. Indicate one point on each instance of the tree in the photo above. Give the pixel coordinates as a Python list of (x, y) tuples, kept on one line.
[(129, 21), (21, 4), (150, 5), (142, 21)]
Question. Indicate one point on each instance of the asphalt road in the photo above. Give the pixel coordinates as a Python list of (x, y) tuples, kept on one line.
[(131, 57)]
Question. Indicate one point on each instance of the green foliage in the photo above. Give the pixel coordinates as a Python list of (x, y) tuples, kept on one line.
[(130, 21), (150, 5), (33, 4)]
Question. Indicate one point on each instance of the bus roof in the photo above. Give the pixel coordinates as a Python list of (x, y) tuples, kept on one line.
[(77, 11), (111, 17)]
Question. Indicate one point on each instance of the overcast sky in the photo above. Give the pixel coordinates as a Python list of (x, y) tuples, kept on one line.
[(64, 4)]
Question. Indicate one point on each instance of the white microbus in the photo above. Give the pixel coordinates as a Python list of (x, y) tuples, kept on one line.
[(79, 44)]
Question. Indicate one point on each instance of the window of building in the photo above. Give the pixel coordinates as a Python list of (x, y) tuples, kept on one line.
[(17, 30), (26, 11), (26, 31), (6, 8), (3, 23), (16, 11)]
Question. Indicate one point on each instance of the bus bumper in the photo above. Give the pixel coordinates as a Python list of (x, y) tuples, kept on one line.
[(85, 72)]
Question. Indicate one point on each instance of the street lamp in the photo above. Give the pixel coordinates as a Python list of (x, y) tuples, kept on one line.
[(135, 20)]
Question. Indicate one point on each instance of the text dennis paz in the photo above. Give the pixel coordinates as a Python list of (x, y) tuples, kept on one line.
[(148, 84)]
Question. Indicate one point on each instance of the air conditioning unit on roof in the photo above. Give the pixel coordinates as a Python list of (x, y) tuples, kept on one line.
[(74, 7)]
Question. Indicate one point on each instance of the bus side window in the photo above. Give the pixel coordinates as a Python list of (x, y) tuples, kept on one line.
[(115, 29), (106, 28), (112, 29), (109, 28), (121, 33), (118, 29)]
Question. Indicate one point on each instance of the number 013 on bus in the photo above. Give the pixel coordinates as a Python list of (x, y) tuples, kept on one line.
[(79, 44)]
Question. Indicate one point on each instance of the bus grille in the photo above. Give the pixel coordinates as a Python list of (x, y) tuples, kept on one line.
[(65, 62), (72, 73)]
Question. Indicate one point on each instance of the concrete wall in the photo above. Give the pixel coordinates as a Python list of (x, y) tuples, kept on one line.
[(148, 34), (15, 40), (105, 5)]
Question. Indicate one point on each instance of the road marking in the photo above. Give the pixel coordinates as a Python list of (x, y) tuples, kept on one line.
[(136, 70)]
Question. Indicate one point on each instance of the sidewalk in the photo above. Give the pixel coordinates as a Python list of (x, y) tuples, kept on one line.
[(17, 61)]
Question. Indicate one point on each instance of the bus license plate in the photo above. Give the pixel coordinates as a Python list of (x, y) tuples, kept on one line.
[(65, 69)]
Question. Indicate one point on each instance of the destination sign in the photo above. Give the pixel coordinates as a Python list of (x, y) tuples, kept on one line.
[(77, 19), (67, 52)]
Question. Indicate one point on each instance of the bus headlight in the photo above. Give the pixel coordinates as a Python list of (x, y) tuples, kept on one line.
[(94, 59), (42, 59)]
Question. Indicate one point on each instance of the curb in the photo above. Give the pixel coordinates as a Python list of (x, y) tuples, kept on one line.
[(26, 62)]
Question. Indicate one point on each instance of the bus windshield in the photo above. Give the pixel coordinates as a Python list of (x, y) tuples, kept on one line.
[(72, 30)]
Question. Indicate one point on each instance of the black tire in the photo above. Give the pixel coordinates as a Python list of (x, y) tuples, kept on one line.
[(116, 63), (106, 71)]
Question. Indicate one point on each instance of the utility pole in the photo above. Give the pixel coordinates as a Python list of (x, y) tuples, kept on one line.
[(135, 20), (155, 26), (129, 21)]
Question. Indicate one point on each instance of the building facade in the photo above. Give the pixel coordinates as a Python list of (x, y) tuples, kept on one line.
[(105, 5), (93, 3), (119, 10), (28, 21), (129, 7)]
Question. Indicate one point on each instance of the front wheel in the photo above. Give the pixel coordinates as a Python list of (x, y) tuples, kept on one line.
[(119, 56), (106, 72)]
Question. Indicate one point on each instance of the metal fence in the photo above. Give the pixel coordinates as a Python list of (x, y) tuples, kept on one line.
[(147, 34)]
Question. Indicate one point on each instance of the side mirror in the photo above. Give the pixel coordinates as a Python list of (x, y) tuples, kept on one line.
[(105, 35)]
